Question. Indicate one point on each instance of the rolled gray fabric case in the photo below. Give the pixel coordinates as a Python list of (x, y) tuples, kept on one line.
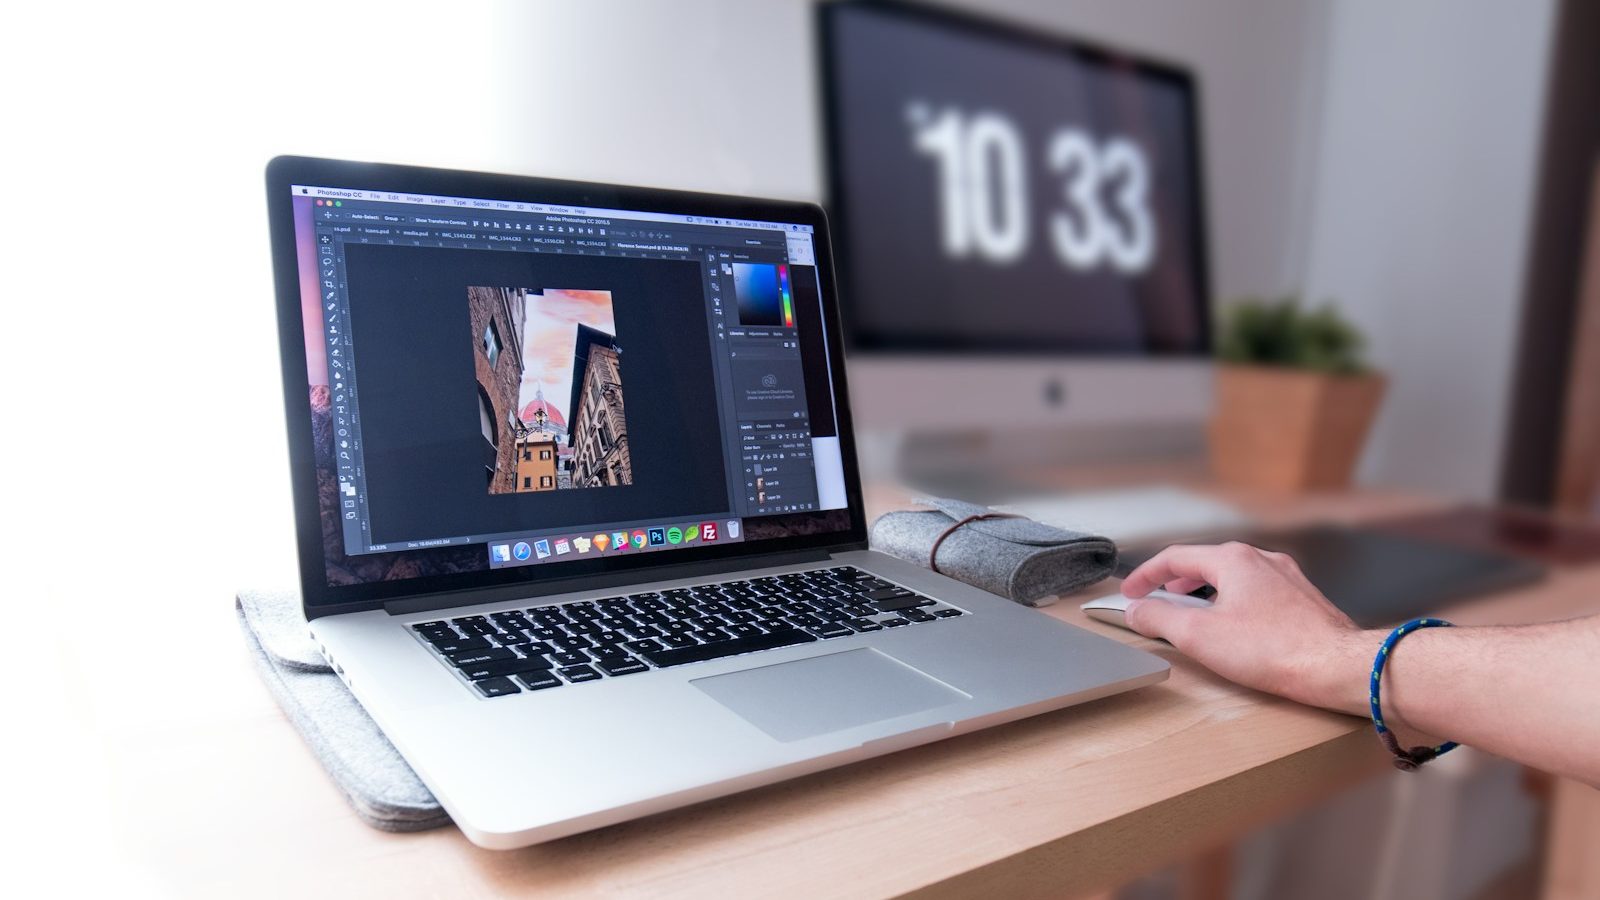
[(367, 769), (1018, 558)]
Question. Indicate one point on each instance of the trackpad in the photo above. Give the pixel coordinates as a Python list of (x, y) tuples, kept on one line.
[(808, 697)]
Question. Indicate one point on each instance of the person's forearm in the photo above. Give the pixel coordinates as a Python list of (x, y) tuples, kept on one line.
[(1529, 693)]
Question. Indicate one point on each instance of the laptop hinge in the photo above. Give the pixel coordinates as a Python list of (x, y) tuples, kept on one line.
[(428, 602)]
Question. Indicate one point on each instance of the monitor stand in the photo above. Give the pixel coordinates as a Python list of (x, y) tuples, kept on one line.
[(1120, 482)]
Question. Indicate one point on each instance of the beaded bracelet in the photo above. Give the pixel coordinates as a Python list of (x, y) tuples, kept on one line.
[(1404, 760)]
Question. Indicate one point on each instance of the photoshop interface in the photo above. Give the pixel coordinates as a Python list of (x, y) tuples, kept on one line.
[(760, 289)]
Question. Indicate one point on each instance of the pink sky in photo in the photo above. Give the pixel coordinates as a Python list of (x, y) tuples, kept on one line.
[(551, 331)]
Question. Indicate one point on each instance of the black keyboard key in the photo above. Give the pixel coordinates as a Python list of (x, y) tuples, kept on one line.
[(832, 630), (539, 679), (504, 667), (885, 594), (679, 639), (510, 638), (947, 613), (547, 634), (579, 674), (470, 657), (906, 602), (624, 666), (742, 629), (496, 687), (454, 644), (865, 625), (569, 658), (645, 646), (429, 628), (701, 652), (893, 623), (916, 615)]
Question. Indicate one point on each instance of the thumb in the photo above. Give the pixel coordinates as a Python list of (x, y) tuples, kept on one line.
[(1157, 618)]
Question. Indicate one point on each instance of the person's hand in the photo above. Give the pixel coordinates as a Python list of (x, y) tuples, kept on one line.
[(1269, 629)]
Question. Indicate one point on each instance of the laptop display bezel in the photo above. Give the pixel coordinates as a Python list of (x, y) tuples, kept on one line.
[(319, 598)]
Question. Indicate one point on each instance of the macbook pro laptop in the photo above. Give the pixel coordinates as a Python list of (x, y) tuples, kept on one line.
[(579, 518)]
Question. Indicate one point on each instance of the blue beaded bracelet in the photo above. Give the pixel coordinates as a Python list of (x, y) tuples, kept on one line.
[(1405, 760)]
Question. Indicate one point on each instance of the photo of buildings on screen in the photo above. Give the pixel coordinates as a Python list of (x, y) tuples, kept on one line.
[(550, 400)]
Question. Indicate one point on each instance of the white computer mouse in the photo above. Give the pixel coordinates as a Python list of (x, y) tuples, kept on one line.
[(1112, 608)]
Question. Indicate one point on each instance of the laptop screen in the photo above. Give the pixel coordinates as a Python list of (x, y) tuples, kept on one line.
[(499, 384)]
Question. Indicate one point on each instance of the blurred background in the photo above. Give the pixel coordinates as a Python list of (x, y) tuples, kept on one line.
[(1052, 217)]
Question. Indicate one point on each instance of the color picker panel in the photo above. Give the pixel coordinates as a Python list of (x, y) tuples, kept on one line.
[(762, 297)]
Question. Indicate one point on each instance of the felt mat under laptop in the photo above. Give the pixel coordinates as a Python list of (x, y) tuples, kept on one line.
[(368, 770)]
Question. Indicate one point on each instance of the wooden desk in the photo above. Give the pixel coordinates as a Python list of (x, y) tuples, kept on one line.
[(226, 799)]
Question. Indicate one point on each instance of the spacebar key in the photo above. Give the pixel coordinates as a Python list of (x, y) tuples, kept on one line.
[(677, 656)]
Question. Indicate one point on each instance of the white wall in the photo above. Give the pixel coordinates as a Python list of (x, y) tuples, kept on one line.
[(1421, 216)]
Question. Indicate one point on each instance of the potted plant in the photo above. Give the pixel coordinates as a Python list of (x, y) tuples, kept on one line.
[(1294, 397)]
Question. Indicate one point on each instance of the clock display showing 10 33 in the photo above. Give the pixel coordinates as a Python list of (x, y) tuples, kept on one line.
[(997, 191), (1102, 216)]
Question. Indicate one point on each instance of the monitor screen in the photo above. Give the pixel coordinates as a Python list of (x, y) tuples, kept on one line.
[(996, 191), (496, 384)]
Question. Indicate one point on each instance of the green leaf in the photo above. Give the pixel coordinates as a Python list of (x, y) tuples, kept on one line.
[(1281, 332)]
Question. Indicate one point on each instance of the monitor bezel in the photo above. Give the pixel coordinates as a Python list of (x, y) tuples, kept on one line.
[(863, 340), (318, 597)]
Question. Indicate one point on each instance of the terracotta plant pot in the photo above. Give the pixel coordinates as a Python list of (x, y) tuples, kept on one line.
[(1290, 430)]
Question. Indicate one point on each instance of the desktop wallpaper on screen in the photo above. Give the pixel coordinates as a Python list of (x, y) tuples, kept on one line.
[(345, 569)]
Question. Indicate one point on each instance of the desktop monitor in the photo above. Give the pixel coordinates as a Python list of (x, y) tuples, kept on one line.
[(1019, 224)]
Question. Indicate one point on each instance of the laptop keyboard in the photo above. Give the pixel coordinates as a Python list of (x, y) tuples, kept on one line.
[(543, 647)]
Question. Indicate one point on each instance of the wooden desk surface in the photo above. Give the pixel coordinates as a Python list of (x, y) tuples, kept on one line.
[(224, 797)]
